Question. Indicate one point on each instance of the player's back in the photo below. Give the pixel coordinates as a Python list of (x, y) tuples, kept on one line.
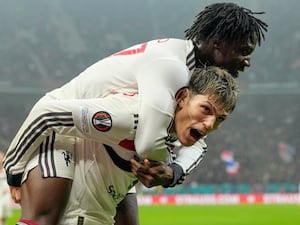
[(121, 69)]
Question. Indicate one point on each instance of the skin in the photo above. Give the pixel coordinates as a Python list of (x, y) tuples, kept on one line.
[(127, 211), (212, 52), (233, 57), (34, 208), (196, 116)]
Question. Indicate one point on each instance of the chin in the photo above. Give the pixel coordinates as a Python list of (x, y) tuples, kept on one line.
[(187, 143), (235, 74)]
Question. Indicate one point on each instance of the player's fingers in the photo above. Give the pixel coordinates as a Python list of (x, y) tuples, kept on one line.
[(138, 167), (135, 164), (147, 163), (145, 179), (135, 167)]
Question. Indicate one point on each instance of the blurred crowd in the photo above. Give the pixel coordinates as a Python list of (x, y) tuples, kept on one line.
[(51, 42)]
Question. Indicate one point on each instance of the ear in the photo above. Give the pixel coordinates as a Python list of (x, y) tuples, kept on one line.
[(216, 43), (180, 94), (184, 96)]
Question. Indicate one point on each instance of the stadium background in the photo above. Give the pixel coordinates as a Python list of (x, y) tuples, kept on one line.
[(45, 43)]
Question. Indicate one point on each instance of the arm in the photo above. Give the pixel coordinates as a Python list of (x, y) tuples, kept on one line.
[(188, 158), (169, 175), (152, 174), (70, 118), (158, 83)]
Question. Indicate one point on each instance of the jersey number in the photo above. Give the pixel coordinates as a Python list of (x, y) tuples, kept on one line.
[(137, 50)]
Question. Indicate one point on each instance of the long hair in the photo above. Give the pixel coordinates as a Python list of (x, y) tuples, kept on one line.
[(228, 22)]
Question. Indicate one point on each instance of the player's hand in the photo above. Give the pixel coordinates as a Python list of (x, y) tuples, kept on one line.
[(15, 193), (152, 173)]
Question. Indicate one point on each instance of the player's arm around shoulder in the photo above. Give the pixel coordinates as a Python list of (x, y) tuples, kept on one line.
[(158, 82)]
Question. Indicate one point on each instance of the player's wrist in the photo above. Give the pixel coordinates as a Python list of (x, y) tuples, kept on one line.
[(177, 174)]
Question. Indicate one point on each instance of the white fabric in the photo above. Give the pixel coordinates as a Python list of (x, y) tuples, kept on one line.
[(155, 69)]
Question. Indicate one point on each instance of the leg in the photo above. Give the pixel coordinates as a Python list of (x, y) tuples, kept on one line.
[(127, 211), (44, 199)]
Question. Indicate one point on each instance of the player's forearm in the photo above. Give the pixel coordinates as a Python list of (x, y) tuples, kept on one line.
[(189, 157)]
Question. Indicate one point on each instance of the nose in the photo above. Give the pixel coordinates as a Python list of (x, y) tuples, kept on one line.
[(209, 123)]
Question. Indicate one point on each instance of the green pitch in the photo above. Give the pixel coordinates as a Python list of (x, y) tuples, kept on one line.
[(221, 215), (215, 215)]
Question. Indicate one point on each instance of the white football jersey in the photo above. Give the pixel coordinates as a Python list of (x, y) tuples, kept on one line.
[(155, 70)]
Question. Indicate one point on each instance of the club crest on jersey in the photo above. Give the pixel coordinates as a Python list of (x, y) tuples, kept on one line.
[(102, 121)]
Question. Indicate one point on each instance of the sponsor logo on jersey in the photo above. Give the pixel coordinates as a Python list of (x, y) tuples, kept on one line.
[(67, 157), (102, 121), (117, 197)]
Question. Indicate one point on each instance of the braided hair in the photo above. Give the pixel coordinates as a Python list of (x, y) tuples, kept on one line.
[(228, 22)]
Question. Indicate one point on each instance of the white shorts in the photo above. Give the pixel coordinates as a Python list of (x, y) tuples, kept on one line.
[(110, 120), (58, 162)]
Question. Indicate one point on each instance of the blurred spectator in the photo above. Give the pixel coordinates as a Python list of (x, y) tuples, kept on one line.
[(5, 207), (50, 42)]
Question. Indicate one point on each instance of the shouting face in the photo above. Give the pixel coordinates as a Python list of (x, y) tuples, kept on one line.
[(196, 116)]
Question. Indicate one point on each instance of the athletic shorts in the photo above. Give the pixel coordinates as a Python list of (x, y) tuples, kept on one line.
[(58, 162)]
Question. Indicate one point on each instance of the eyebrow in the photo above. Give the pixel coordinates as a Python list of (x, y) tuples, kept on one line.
[(225, 114)]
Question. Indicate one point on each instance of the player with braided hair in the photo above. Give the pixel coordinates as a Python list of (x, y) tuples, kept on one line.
[(226, 24), (155, 70), (223, 34)]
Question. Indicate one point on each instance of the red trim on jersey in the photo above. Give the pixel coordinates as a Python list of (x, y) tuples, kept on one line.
[(132, 51), (27, 222), (128, 144)]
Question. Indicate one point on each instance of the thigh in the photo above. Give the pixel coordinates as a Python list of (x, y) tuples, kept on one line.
[(47, 181), (43, 199)]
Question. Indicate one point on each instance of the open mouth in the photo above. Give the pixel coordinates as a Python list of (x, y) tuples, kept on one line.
[(195, 133)]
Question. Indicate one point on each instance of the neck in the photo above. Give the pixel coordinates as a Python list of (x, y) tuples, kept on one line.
[(201, 57)]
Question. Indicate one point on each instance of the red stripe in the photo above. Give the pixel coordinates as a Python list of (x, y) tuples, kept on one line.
[(27, 222), (128, 144)]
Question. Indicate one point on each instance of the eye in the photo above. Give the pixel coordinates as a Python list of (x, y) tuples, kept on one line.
[(221, 119), (245, 51), (206, 109)]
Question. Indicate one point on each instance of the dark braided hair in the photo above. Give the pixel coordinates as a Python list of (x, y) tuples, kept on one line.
[(228, 22)]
